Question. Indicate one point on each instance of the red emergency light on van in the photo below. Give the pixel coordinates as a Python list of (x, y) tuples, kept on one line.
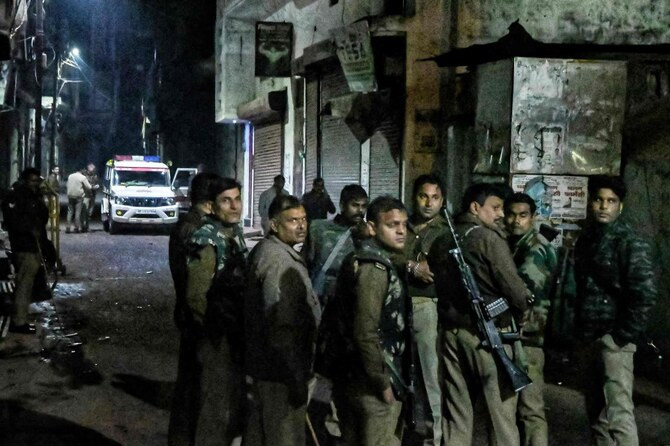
[(154, 158)]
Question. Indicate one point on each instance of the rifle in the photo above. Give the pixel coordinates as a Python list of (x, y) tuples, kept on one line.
[(485, 315)]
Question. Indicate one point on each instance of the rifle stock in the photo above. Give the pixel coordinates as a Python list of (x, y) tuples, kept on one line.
[(486, 327)]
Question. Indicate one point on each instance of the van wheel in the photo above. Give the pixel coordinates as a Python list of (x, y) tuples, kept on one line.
[(105, 225), (114, 227)]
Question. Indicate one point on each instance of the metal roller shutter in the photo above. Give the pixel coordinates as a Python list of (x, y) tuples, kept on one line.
[(340, 150), (384, 150), (312, 133), (267, 160)]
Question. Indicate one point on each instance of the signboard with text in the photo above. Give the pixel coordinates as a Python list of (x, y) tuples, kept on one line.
[(354, 51)]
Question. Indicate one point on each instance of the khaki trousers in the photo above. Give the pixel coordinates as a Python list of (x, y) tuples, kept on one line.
[(469, 373), (272, 420), (28, 265), (531, 401), (366, 420), (425, 335), (607, 370)]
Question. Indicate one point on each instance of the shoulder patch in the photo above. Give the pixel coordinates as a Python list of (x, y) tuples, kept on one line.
[(380, 266)]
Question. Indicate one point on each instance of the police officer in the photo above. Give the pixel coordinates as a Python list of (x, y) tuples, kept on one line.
[(216, 264), (329, 242), (181, 430), (536, 261), (470, 370), (281, 315), (616, 290), (371, 308), (426, 225)]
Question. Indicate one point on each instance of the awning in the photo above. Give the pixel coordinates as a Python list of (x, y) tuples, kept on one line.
[(519, 43), (362, 112), (266, 108)]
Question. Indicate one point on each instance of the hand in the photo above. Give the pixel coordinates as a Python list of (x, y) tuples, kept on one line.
[(388, 395), (421, 271)]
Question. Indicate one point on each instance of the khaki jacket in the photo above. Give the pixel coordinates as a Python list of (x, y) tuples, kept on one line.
[(492, 265), (281, 314)]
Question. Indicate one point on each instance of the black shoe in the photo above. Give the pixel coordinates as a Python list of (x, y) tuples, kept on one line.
[(22, 329)]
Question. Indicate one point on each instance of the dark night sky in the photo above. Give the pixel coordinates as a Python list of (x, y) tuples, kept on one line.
[(121, 55)]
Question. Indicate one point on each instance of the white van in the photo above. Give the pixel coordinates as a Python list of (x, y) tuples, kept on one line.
[(137, 191)]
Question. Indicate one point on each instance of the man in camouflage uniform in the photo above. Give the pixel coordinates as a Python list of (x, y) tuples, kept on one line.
[(426, 225), (536, 261), (181, 430), (329, 242), (216, 262), (616, 289), (370, 310), (281, 315), (470, 370)]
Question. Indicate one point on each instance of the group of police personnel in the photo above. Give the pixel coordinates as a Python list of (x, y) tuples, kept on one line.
[(354, 300)]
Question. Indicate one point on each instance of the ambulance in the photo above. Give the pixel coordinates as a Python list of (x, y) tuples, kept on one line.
[(137, 191)]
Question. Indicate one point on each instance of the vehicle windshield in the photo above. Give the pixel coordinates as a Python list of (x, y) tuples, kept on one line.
[(142, 178)]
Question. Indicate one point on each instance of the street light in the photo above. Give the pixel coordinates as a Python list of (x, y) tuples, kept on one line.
[(74, 52)]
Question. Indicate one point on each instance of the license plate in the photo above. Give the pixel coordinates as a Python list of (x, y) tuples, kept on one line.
[(144, 212)]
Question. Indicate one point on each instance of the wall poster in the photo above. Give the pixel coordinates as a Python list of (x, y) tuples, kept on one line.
[(274, 49), (555, 196), (567, 116)]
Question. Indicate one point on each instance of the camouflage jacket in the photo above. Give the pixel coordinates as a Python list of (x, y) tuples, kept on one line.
[(321, 240), (417, 249), (371, 296), (177, 253), (216, 277), (616, 287), (536, 261)]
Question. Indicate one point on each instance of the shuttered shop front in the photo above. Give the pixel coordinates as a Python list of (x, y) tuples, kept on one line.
[(340, 150), (267, 160), (311, 132), (385, 146)]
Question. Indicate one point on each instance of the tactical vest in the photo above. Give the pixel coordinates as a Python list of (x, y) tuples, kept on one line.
[(224, 298), (392, 321)]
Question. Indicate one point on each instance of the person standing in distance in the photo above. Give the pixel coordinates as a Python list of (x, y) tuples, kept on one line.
[(616, 289), (317, 202), (266, 199)]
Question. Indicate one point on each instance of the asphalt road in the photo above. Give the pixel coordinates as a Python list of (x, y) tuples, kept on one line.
[(102, 370)]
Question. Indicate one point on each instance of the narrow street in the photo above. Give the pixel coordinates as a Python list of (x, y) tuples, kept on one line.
[(102, 368)]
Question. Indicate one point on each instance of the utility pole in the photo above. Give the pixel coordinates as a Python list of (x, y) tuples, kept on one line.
[(53, 159), (39, 68)]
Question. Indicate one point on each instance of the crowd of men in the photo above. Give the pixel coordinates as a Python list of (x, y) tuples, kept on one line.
[(348, 299)]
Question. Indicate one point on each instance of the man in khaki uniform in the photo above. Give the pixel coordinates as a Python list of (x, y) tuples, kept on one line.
[(281, 315), (370, 307), (470, 370), (426, 225)]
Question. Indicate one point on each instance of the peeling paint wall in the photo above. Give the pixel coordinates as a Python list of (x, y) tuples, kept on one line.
[(598, 21)]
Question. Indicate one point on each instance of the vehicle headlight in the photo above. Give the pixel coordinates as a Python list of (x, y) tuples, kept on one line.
[(167, 201), (121, 200)]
